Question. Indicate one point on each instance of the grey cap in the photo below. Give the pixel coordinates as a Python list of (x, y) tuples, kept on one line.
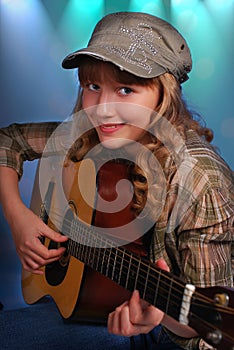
[(139, 43)]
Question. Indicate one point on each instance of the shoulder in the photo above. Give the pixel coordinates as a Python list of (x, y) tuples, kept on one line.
[(201, 185), (207, 163)]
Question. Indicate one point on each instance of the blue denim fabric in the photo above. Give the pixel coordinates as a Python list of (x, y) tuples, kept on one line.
[(157, 339), (40, 327)]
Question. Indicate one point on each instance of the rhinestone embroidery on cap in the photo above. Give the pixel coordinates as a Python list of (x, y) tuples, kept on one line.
[(141, 39)]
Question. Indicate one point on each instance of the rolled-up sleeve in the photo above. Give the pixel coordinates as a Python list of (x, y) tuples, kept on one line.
[(20, 142)]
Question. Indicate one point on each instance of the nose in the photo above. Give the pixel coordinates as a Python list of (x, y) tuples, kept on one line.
[(105, 110), (105, 106)]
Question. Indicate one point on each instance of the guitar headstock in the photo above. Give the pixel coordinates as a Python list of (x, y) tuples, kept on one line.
[(212, 316)]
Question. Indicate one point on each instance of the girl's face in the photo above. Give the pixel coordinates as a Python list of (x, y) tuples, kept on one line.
[(120, 113)]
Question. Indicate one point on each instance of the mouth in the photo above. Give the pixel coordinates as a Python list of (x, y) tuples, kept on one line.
[(110, 128)]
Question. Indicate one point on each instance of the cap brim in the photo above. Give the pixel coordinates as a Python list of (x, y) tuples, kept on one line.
[(74, 60)]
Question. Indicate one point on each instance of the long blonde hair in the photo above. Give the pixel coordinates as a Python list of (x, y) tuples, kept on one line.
[(171, 107)]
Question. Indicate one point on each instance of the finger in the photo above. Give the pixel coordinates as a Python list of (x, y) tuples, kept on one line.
[(161, 263), (38, 254), (34, 262), (27, 267), (36, 248), (114, 319), (53, 235), (135, 308), (43, 255), (127, 328)]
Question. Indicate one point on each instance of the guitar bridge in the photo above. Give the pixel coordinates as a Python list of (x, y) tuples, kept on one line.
[(186, 302)]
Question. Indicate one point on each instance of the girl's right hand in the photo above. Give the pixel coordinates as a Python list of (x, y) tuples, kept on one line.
[(27, 230)]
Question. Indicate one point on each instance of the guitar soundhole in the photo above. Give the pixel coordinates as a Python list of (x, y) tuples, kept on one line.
[(56, 271)]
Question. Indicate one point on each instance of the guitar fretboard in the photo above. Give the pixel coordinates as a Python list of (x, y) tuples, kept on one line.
[(156, 286)]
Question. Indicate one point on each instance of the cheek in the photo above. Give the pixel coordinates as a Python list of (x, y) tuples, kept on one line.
[(89, 106), (91, 118), (88, 100), (135, 114), (141, 120)]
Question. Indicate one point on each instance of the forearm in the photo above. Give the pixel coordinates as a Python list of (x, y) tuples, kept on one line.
[(9, 191), (177, 328), (10, 199)]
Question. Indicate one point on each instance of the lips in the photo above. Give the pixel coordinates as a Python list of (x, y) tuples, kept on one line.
[(110, 128)]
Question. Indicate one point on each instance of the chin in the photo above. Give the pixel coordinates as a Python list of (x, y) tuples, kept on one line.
[(115, 143)]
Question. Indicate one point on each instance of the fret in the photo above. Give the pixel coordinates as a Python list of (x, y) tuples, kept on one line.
[(136, 281), (114, 271), (176, 297), (103, 259), (168, 297), (87, 249), (105, 262), (76, 248), (146, 282), (82, 251), (72, 245), (122, 264), (157, 286), (149, 288), (132, 274), (127, 278), (121, 267), (108, 265), (100, 259), (89, 256), (95, 258)]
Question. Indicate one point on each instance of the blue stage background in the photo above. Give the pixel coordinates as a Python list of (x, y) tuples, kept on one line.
[(37, 34)]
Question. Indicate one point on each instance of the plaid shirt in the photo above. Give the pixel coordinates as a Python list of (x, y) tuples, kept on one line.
[(194, 232)]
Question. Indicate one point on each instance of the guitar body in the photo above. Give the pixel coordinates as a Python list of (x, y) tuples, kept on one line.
[(79, 292)]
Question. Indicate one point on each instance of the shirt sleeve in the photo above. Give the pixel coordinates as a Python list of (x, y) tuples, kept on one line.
[(21, 142), (206, 240)]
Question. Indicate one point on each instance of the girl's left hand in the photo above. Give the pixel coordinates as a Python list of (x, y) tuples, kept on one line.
[(136, 315)]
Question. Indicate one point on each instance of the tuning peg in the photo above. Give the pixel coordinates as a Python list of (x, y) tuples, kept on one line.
[(214, 337), (221, 299)]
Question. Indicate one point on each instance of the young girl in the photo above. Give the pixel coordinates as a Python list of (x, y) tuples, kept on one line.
[(130, 77)]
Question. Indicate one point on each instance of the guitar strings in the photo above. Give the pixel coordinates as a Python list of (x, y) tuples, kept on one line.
[(67, 224), (200, 297)]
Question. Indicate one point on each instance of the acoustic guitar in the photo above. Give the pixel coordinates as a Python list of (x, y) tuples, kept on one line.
[(95, 274)]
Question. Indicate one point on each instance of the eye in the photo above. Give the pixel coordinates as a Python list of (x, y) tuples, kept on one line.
[(125, 91), (93, 87)]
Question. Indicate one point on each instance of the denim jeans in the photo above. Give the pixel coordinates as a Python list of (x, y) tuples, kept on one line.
[(40, 327)]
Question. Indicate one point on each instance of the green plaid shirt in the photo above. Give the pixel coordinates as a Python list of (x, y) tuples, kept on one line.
[(194, 232)]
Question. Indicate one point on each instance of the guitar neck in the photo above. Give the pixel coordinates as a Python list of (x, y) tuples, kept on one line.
[(156, 286)]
